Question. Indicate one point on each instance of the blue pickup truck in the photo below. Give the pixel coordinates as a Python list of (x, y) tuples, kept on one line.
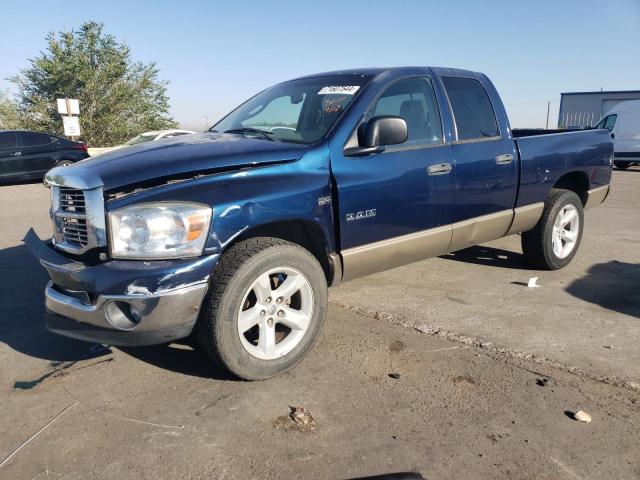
[(234, 235)]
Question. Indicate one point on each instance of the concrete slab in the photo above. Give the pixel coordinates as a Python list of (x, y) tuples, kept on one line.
[(74, 410)]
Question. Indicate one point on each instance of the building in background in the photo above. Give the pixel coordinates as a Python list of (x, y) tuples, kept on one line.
[(584, 109)]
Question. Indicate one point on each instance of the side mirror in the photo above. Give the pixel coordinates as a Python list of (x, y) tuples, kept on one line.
[(613, 135), (378, 132)]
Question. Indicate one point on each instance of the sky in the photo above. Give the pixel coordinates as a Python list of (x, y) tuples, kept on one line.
[(217, 54)]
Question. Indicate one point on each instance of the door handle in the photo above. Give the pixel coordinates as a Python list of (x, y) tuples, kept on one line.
[(439, 169), (503, 159), (16, 154)]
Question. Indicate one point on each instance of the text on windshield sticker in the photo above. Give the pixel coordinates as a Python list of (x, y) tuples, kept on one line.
[(339, 90)]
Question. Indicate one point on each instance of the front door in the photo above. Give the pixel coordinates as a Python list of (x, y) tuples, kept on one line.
[(394, 205)]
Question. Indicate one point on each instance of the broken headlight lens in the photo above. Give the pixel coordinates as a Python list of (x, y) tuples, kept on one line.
[(159, 230)]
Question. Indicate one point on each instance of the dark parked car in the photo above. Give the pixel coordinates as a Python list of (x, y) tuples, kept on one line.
[(29, 155)]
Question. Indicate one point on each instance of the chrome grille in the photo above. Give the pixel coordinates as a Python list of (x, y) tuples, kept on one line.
[(71, 200), (70, 218), (77, 215), (74, 231)]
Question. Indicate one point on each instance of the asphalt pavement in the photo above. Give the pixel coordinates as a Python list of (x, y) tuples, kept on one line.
[(452, 367)]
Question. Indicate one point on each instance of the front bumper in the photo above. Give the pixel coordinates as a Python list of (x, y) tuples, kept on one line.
[(122, 302)]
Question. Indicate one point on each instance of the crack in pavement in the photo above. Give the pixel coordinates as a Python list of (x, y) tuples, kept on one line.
[(127, 419), (42, 429)]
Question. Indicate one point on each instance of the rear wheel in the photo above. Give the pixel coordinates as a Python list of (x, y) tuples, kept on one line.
[(554, 241), (265, 308), (64, 163), (621, 165)]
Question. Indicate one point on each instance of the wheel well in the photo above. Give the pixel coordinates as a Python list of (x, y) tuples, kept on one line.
[(577, 182), (304, 233)]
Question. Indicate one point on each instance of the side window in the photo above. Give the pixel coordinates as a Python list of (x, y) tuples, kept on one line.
[(33, 139), (8, 140), (472, 109), (610, 122), (414, 100)]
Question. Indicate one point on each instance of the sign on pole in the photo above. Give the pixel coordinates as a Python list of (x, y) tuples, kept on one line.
[(71, 126), (68, 106)]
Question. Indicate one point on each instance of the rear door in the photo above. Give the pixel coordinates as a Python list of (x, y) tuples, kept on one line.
[(9, 155), (39, 152), (486, 162)]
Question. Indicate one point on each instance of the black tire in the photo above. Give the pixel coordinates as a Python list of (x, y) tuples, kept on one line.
[(537, 244), (64, 163), (622, 165), (217, 330)]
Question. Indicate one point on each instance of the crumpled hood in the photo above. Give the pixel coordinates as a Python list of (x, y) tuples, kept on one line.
[(184, 155)]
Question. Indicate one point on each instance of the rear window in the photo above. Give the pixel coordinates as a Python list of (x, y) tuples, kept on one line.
[(8, 140), (472, 109), (33, 139)]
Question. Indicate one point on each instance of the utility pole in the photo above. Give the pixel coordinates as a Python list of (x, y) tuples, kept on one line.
[(548, 108)]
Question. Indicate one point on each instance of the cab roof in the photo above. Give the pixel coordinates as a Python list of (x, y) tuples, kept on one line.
[(380, 70)]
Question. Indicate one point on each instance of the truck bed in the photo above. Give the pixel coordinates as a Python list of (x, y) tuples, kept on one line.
[(531, 132), (546, 155)]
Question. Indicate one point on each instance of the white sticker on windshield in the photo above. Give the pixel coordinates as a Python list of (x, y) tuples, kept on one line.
[(339, 90)]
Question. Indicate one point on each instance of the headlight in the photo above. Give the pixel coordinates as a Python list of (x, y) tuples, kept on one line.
[(159, 230)]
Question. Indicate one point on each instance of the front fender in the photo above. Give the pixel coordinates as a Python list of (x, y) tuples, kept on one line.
[(249, 198)]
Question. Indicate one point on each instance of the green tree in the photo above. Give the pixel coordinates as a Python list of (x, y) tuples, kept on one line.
[(9, 117), (119, 98)]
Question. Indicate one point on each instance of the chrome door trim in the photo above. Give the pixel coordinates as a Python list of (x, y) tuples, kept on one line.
[(477, 140)]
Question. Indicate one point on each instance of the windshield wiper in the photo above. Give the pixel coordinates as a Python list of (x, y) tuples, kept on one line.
[(266, 134)]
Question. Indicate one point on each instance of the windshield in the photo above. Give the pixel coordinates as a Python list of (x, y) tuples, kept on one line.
[(299, 111), (140, 139)]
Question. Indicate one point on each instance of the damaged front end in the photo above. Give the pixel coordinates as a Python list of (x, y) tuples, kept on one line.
[(122, 302), (95, 294), (134, 249)]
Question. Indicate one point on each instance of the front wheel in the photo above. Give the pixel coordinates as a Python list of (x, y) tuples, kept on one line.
[(554, 241), (265, 308)]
